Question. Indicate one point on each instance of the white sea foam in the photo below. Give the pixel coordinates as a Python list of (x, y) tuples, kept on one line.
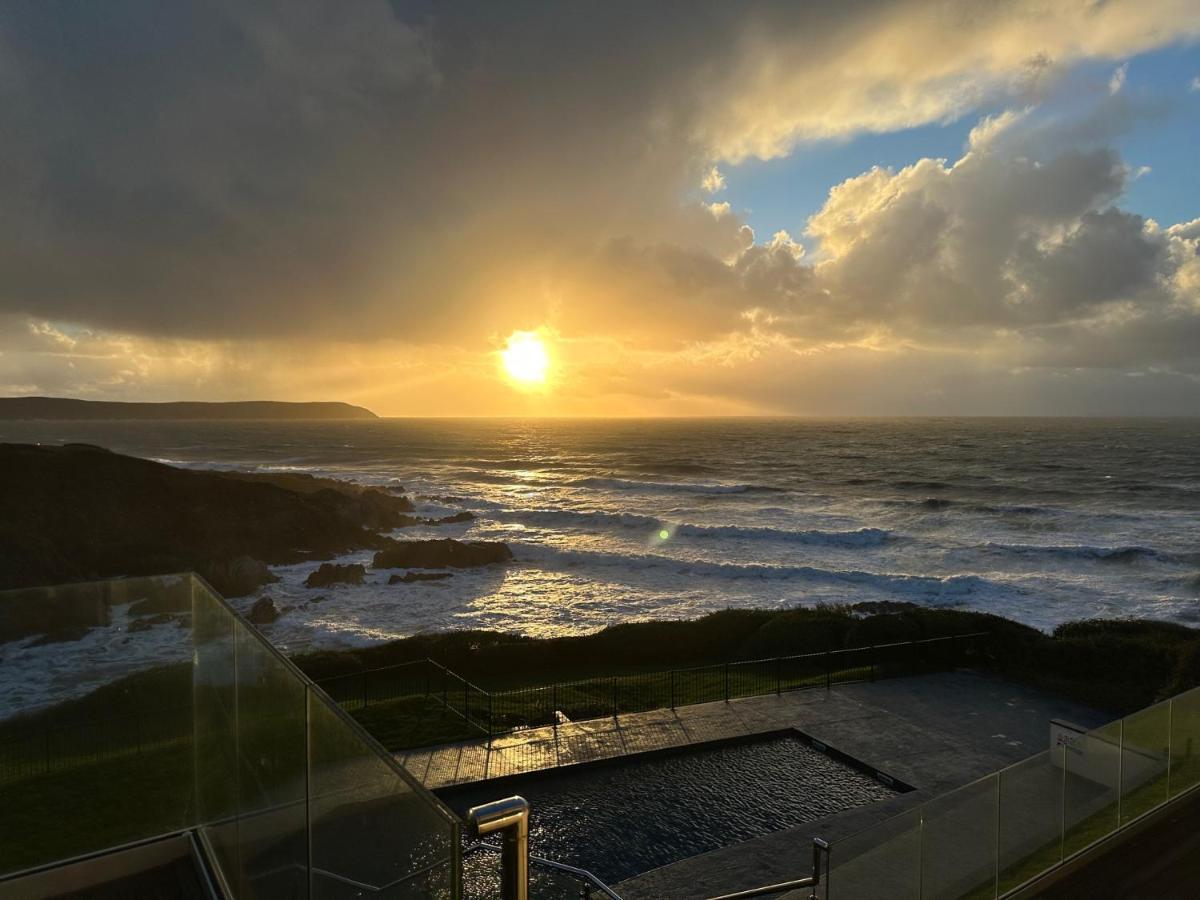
[(651, 525), (669, 487), (901, 584)]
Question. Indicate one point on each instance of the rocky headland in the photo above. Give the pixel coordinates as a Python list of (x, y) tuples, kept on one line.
[(77, 512)]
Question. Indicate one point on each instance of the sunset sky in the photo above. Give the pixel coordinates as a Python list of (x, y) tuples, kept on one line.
[(605, 208)]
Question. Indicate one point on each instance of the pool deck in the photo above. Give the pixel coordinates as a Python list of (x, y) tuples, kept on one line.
[(934, 732)]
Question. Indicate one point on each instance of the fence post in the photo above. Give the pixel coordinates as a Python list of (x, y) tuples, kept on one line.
[(726, 682), (828, 670), (672, 689), (614, 695), (872, 662), (491, 730), (778, 680), (554, 704), (47, 742)]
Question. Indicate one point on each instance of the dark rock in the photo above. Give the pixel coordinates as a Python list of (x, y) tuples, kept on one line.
[(263, 612), (76, 512), (147, 622), (237, 577), (463, 516), (320, 598), (330, 573), (67, 609), (410, 577), (70, 408), (441, 554), (159, 603), (61, 635)]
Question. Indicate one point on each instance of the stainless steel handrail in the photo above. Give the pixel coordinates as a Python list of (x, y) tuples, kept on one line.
[(766, 889), (510, 818), (812, 881), (583, 874)]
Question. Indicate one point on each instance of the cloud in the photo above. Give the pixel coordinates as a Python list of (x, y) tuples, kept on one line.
[(1117, 81), (713, 181), (1194, 84), (220, 169), (240, 188)]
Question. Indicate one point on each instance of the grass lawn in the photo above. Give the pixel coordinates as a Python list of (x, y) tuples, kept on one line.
[(420, 720), (92, 805)]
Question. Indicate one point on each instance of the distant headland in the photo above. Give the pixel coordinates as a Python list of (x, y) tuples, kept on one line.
[(68, 408)]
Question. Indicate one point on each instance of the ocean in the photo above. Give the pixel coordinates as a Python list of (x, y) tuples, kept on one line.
[(1040, 520)]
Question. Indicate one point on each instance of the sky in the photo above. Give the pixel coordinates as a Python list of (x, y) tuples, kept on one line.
[(605, 208)]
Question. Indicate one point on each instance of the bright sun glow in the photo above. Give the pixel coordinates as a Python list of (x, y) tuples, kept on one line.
[(525, 358)]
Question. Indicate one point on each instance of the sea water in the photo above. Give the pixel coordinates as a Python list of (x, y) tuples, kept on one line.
[(1040, 520)]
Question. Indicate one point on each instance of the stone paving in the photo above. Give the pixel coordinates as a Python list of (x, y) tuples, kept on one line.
[(598, 739)]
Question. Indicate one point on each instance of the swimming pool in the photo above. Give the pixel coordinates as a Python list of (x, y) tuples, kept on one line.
[(624, 817)]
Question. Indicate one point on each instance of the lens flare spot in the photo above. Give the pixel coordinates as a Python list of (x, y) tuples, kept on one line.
[(663, 534)]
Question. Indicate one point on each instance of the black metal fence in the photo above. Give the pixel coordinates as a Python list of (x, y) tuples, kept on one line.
[(29, 752), (504, 711), (33, 751)]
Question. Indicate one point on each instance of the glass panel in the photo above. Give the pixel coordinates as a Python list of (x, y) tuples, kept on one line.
[(1031, 810), (958, 842), (1144, 760), (127, 736), (271, 788), (1092, 787), (881, 862), (214, 693), (1185, 741), (372, 832)]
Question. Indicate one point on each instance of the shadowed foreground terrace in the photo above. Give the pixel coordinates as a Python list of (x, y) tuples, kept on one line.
[(268, 788)]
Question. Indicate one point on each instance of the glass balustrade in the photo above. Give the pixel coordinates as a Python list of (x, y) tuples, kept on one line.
[(215, 732), (987, 838)]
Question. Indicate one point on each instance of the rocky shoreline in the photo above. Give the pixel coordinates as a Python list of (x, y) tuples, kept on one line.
[(78, 512)]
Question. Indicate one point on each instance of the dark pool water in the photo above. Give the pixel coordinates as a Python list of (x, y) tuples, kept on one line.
[(618, 820)]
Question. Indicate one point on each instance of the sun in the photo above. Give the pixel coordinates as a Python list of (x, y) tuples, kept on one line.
[(525, 358)]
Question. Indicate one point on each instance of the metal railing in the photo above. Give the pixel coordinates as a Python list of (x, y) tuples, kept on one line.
[(820, 848), (492, 713)]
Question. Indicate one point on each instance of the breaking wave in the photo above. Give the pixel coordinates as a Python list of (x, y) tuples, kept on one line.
[(1098, 554), (955, 587), (550, 518), (671, 487)]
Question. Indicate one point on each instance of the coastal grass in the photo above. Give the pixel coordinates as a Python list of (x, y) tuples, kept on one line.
[(1113, 665)]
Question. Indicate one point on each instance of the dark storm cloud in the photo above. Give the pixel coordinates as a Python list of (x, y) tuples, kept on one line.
[(438, 172)]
